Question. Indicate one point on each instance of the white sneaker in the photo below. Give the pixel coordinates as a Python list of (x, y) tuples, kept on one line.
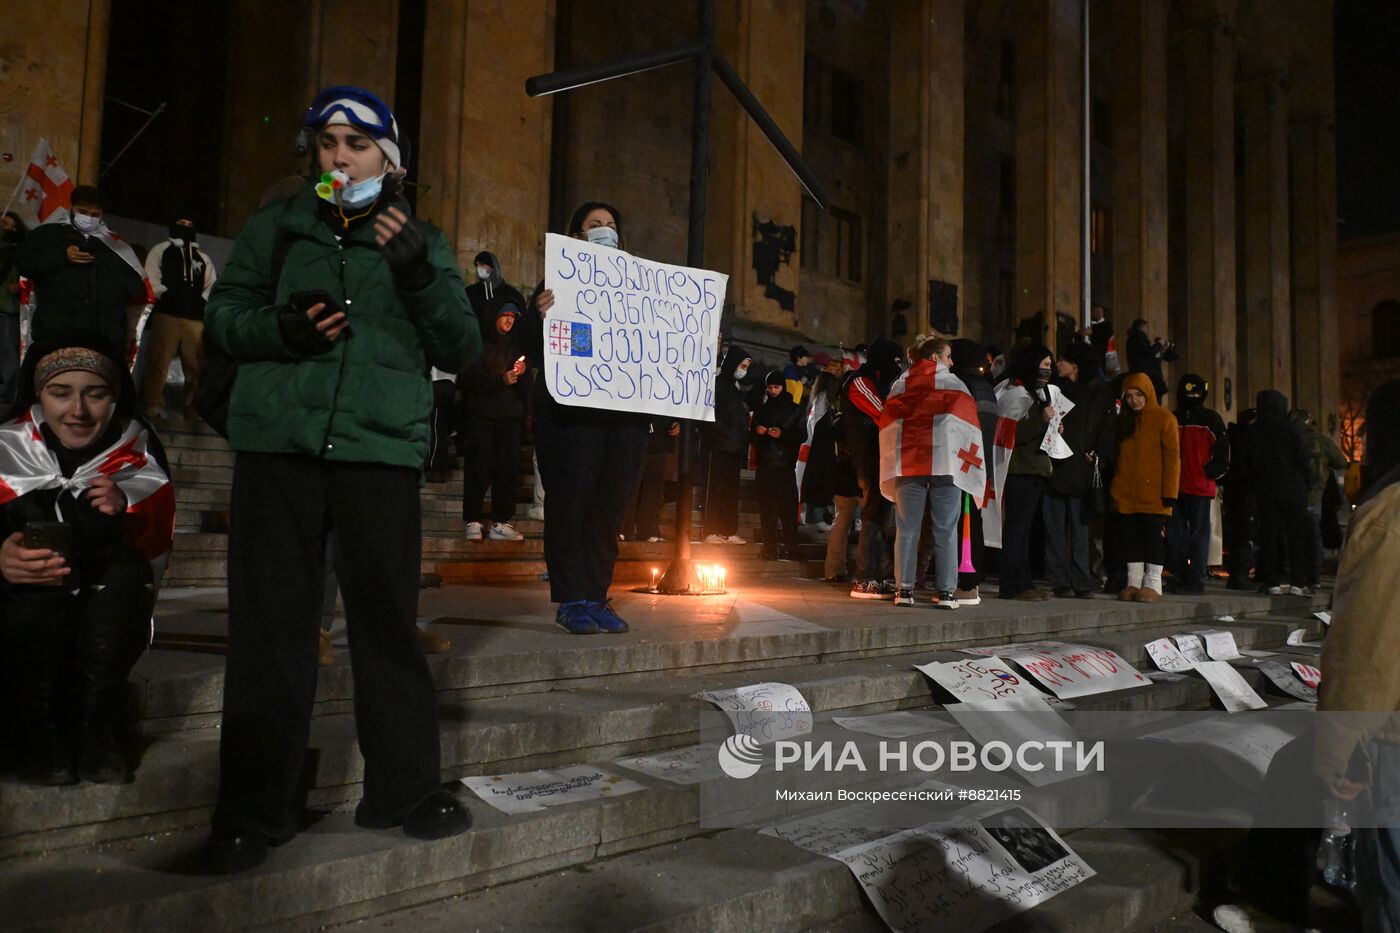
[(504, 531), (822, 526), (735, 539), (1274, 591), (473, 531), (1241, 918), (970, 597), (716, 539), (656, 539), (1300, 591), (536, 513)]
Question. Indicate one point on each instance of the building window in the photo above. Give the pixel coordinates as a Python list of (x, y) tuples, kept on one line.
[(811, 234), (1385, 329), (1098, 232), (848, 245), (833, 101)]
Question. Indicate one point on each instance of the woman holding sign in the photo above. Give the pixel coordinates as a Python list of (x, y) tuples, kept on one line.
[(589, 460)]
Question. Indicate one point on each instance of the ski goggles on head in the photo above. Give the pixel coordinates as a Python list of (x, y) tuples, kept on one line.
[(357, 107)]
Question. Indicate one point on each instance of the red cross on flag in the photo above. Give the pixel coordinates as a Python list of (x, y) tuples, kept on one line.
[(929, 427), (46, 187)]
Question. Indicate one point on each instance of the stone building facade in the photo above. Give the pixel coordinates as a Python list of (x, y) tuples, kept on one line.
[(949, 134), (1368, 306)]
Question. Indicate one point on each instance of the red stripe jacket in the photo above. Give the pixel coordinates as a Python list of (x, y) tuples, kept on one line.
[(1205, 451)]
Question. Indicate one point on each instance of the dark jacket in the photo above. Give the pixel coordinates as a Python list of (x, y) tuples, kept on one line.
[(1205, 448), (1146, 357), (1089, 429), (1275, 459), (729, 432), (181, 278), (367, 399), (486, 391), (486, 297), (783, 413), (862, 400), (68, 297), (659, 439)]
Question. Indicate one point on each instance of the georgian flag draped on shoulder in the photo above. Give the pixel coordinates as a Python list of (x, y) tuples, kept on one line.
[(1013, 401), (929, 427), (27, 464)]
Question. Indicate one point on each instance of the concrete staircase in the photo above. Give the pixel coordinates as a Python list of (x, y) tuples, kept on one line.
[(519, 695)]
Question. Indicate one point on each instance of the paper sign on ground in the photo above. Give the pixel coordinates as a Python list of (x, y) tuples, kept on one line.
[(1220, 644), (1017, 721), (630, 334), (964, 877), (1243, 747), (1226, 618), (1164, 677), (1283, 677), (980, 679), (1167, 657), (534, 790), (1298, 638), (1192, 648), (1232, 689), (899, 725), (1323, 616), (827, 831), (693, 764), (1254, 653), (1068, 670), (1310, 675), (767, 712)]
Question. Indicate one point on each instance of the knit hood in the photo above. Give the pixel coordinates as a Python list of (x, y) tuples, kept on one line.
[(1143, 383)]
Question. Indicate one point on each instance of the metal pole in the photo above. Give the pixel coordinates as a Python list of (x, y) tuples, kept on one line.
[(680, 576), (149, 120), (569, 78), (1086, 297)]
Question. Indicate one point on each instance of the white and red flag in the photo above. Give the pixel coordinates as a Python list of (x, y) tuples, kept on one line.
[(27, 464), (1013, 401), (929, 427), (46, 188)]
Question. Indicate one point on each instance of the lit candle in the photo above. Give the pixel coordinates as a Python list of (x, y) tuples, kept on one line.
[(653, 579)]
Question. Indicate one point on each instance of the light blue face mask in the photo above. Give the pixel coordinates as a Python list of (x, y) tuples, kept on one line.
[(603, 236), (361, 193)]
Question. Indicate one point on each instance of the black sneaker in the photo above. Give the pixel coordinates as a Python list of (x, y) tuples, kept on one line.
[(945, 600), (904, 598), (868, 589)]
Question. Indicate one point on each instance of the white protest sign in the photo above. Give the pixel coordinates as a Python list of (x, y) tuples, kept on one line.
[(1254, 653), (1166, 656), (1310, 675), (1192, 647), (1220, 644), (767, 712), (1068, 670), (1298, 638), (980, 679), (534, 790), (693, 764), (1243, 747), (1283, 677), (1024, 723), (630, 334), (1232, 689), (1323, 616), (1054, 442), (1164, 677), (899, 725), (964, 877)]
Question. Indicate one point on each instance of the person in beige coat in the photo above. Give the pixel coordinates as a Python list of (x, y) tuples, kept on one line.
[(1145, 483)]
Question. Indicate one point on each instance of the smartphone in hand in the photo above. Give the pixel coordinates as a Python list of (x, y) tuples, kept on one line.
[(53, 536)]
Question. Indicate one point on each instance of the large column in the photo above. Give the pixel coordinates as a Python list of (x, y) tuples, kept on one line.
[(749, 182), (485, 146), (1049, 159), (1210, 206), (1140, 164), (1316, 366), (353, 42), (926, 152), (1265, 338)]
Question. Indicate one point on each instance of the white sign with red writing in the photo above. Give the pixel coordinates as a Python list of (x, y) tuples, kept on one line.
[(980, 680), (1067, 670), (1310, 675)]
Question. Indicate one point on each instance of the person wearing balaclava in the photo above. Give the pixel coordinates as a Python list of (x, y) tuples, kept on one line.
[(1205, 459), (778, 432), (1357, 747), (181, 276), (1279, 467), (84, 277), (329, 419), (863, 400), (12, 233), (1029, 370), (726, 443)]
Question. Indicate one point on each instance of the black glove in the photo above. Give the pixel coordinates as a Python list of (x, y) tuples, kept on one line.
[(299, 333), (406, 252)]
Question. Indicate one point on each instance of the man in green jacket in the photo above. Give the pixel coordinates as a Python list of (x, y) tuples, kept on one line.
[(335, 303)]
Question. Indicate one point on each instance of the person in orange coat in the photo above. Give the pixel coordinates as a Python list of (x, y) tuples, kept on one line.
[(1144, 485)]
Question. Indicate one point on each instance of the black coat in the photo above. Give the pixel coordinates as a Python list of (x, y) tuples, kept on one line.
[(785, 414), (483, 382), (819, 479), (1275, 458), (1089, 428)]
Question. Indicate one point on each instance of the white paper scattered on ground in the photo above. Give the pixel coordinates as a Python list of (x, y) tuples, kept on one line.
[(1167, 657), (690, 765), (1310, 675), (1165, 677), (899, 725), (827, 831), (1232, 689), (1220, 644), (1282, 676), (1016, 721), (1324, 616), (980, 679), (530, 791), (767, 712), (1192, 647), (1068, 670), (1254, 653), (1298, 638), (1243, 747), (1225, 618)]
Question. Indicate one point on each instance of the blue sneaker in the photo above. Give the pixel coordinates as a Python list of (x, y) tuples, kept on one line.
[(607, 620), (576, 619)]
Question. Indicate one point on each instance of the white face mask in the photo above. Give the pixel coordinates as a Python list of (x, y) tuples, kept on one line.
[(483, 272), (740, 373), (603, 236), (87, 223)]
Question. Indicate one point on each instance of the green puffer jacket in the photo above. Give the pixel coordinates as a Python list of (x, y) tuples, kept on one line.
[(366, 400)]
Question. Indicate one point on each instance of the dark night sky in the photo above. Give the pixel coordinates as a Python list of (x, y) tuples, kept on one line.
[(1368, 117)]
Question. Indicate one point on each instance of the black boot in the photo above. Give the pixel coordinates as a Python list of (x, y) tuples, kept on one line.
[(111, 637), (100, 758), (51, 760)]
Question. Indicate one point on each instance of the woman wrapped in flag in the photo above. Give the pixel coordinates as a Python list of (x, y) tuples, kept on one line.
[(87, 517)]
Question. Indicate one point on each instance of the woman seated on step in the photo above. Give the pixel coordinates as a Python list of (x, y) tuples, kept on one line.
[(87, 515)]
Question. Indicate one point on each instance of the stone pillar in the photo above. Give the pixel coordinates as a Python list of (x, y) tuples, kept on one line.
[(926, 153), (1049, 160), (1316, 365), (484, 156), (353, 42), (1139, 165), (1210, 208), (1266, 338), (749, 182)]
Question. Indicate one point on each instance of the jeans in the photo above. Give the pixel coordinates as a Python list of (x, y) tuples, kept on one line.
[(1020, 503), (1066, 524), (1378, 849), (839, 542), (1315, 538), (1188, 540), (912, 495)]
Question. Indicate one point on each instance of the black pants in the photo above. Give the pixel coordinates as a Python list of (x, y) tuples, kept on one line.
[(9, 359), (282, 508), (1115, 565), (1237, 513), (1284, 523), (492, 461), (1188, 540), (1020, 504), (722, 493), (1280, 867), (643, 517), (777, 506), (875, 542), (589, 471), (440, 426), (1140, 538)]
